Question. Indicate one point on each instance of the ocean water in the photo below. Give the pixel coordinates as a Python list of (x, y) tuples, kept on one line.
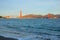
[(30, 29)]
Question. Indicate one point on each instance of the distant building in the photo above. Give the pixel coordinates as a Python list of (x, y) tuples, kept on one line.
[(7, 17)]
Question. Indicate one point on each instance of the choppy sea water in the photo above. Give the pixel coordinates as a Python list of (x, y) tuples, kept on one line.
[(31, 29)]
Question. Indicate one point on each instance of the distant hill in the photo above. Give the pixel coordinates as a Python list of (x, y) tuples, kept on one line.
[(58, 15), (32, 16), (1, 17), (40, 16), (36, 16)]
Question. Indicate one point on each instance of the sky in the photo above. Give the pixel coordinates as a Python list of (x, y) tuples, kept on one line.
[(39, 7)]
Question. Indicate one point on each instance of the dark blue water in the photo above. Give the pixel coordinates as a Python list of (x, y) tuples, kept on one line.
[(31, 29)]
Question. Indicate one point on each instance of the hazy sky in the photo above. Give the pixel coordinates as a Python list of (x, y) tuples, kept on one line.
[(13, 7)]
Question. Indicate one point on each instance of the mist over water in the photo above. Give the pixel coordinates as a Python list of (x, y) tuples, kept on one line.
[(31, 29)]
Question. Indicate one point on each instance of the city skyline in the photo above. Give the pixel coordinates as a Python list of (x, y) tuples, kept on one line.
[(40, 7)]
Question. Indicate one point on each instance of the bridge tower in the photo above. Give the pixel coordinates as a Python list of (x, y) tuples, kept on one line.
[(21, 14)]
